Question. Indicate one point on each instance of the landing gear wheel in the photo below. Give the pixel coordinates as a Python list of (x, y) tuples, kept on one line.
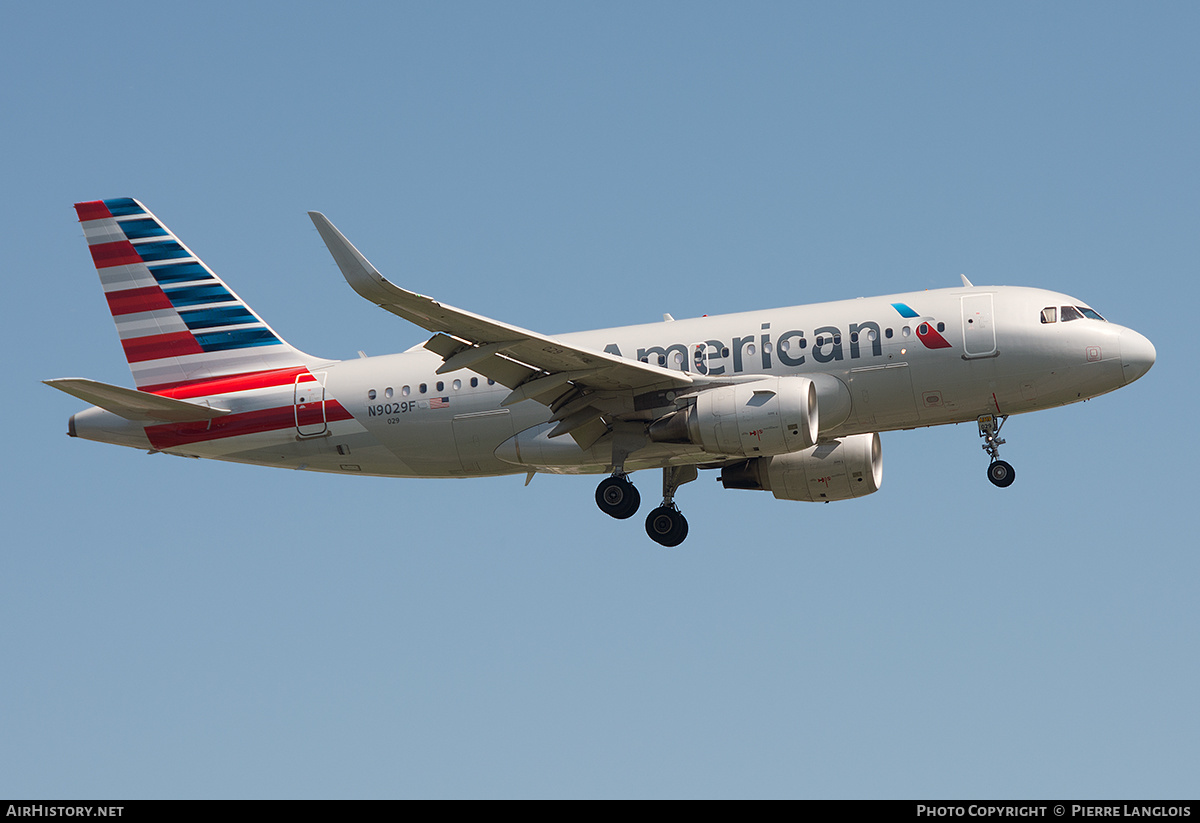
[(666, 526), (1001, 474), (617, 497)]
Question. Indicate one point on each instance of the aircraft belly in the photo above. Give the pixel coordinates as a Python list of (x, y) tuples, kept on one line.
[(882, 395), (532, 448), (953, 389), (476, 436), (345, 447), (352, 456)]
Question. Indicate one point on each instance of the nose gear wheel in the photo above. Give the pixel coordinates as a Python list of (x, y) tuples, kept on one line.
[(1000, 473)]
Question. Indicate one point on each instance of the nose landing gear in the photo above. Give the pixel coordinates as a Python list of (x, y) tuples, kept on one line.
[(1000, 473)]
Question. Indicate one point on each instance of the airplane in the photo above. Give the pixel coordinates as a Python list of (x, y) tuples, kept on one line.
[(786, 400)]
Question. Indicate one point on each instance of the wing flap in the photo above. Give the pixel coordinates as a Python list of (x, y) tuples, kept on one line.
[(589, 434)]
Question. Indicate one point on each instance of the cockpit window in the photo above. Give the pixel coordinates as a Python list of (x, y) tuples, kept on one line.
[(1049, 314), (1075, 313)]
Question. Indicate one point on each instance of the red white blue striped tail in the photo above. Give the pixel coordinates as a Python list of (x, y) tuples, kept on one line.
[(178, 321)]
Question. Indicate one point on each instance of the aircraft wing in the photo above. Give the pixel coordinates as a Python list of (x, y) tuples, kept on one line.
[(534, 366)]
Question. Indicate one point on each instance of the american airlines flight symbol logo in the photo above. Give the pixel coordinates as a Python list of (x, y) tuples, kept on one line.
[(926, 333)]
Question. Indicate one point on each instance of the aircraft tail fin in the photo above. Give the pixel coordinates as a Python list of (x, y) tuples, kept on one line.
[(177, 320)]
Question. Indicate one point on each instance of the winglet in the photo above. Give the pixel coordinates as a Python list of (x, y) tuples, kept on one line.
[(967, 282), (358, 271)]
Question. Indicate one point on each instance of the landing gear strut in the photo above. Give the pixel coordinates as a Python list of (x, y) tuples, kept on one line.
[(666, 525), (999, 472), (617, 497)]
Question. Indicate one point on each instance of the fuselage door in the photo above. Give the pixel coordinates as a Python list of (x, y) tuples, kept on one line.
[(979, 332), (310, 404)]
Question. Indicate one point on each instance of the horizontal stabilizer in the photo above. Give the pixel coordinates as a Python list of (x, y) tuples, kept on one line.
[(133, 404)]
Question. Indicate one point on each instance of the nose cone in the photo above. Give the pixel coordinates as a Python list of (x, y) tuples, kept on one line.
[(1137, 354)]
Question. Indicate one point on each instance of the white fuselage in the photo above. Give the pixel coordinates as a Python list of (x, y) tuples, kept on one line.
[(884, 363)]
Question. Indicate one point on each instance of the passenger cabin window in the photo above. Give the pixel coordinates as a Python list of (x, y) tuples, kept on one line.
[(1070, 313), (1050, 314)]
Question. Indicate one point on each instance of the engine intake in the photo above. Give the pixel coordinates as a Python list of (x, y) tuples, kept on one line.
[(776, 415), (835, 470)]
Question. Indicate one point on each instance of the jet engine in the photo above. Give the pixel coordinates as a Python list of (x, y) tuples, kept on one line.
[(835, 470), (775, 415)]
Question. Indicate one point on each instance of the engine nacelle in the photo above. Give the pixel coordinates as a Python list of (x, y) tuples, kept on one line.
[(776, 415), (836, 470)]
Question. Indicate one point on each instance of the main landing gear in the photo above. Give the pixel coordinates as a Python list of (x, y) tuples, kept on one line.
[(666, 525), (999, 472), (617, 497)]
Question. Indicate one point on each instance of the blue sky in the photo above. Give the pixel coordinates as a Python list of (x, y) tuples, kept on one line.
[(176, 628)]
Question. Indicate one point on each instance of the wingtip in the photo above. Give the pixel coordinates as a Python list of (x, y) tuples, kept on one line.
[(363, 277)]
